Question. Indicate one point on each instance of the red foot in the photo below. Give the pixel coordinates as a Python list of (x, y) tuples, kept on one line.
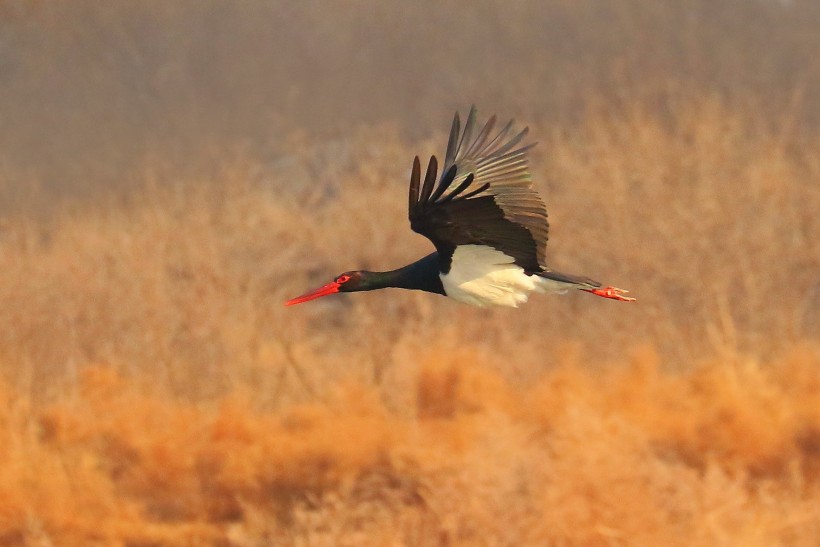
[(612, 292)]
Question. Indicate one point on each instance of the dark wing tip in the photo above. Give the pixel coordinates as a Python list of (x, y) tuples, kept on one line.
[(460, 188), (447, 179), (452, 142), (429, 180), (467, 134), (415, 179)]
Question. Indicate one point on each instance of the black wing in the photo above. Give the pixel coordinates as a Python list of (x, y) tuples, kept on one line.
[(484, 197)]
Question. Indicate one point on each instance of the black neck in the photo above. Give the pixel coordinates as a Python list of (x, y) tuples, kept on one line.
[(421, 275)]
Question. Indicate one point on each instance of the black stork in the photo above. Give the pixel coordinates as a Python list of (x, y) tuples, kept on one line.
[(487, 222)]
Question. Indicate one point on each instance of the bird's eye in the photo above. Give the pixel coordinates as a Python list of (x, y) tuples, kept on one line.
[(343, 279)]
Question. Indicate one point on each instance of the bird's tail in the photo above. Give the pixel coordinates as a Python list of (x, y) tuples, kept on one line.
[(552, 281)]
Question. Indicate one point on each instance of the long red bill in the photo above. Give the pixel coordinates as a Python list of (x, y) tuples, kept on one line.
[(325, 290)]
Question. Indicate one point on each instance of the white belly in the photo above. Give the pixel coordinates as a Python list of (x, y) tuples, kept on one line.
[(483, 276)]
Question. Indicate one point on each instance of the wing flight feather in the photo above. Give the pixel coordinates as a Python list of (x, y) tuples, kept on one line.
[(484, 196)]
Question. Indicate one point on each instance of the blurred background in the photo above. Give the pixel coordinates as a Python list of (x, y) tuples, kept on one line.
[(171, 172), (92, 93)]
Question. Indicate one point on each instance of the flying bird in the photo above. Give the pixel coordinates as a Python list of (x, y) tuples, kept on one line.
[(487, 222)]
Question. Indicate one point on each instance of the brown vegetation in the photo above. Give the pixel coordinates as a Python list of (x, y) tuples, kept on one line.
[(154, 391), (725, 453), (157, 392)]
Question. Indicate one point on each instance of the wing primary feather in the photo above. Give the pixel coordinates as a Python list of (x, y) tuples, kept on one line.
[(481, 138), (446, 180), (450, 156), (498, 138), (491, 162), (468, 132), (429, 180), (511, 163), (475, 192), (460, 188), (415, 179), (504, 172), (512, 142)]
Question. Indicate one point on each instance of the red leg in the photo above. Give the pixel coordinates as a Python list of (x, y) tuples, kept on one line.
[(612, 292)]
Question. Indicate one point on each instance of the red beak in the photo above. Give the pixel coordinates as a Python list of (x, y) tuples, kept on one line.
[(330, 288)]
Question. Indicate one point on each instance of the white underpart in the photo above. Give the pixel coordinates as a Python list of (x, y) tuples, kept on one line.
[(483, 276)]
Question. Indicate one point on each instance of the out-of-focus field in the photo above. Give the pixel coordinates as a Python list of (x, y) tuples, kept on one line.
[(726, 453), (157, 392), (154, 391)]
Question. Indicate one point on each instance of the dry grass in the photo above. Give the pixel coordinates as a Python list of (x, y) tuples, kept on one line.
[(156, 392), (708, 216), (724, 454)]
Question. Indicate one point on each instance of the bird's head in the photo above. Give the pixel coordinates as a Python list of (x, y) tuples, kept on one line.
[(346, 282)]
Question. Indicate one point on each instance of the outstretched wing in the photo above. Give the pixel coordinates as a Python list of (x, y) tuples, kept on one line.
[(484, 197)]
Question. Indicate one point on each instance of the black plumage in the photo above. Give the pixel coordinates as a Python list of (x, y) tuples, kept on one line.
[(484, 197)]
